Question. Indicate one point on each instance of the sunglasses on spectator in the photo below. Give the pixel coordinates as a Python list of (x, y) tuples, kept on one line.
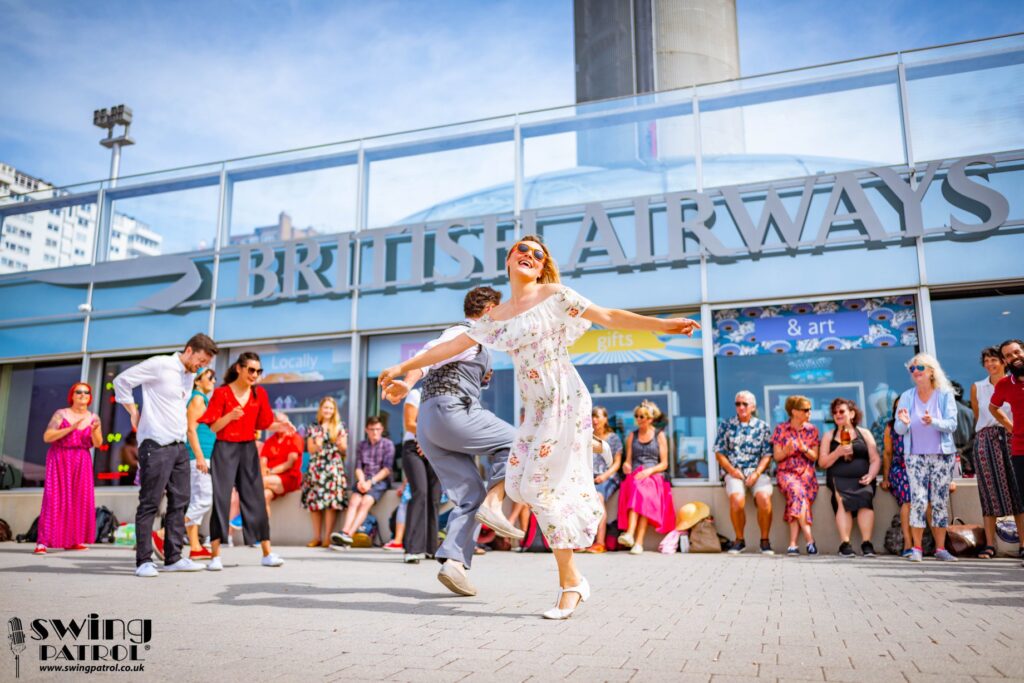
[(254, 371), (642, 417), (917, 368), (83, 392), (524, 248), (803, 410), (741, 403)]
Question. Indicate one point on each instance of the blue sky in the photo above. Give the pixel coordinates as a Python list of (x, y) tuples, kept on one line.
[(232, 78)]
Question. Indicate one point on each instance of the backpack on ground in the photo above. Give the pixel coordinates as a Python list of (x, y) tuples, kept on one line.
[(368, 534), (5, 532), (30, 536), (534, 542), (106, 525), (894, 539)]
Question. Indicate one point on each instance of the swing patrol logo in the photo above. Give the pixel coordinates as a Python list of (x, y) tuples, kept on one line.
[(83, 645)]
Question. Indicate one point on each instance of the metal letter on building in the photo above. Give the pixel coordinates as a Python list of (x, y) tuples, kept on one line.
[(266, 270), (860, 211), (984, 202), (604, 238)]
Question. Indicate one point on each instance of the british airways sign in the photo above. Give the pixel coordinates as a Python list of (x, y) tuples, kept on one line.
[(685, 226)]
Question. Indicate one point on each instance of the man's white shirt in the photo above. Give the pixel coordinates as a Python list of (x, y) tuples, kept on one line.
[(166, 387)]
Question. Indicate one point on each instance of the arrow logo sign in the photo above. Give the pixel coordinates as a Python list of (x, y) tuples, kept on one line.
[(143, 268)]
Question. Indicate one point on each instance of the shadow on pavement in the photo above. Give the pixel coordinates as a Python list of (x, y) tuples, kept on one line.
[(307, 596)]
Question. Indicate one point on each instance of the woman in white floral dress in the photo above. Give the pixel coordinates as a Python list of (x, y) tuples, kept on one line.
[(550, 466)]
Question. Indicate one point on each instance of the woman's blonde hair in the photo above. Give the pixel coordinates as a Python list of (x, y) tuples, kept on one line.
[(549, 271), (649, 407), (334, 424), (794, 402), (939, 379)]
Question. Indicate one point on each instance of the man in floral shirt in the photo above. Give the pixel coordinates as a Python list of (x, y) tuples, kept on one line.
[(744, 450)]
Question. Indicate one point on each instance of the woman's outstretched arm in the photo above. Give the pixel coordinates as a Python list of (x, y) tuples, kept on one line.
[(618, 319), (435, 355)]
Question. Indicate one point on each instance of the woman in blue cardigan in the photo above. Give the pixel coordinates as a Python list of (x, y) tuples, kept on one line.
[(926, 419)]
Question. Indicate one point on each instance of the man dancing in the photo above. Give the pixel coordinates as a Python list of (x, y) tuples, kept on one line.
[(453, 429), (166, 383)]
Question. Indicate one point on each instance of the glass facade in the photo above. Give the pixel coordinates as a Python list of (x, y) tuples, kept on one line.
[(801, 193), (32, 393), (967, 323)]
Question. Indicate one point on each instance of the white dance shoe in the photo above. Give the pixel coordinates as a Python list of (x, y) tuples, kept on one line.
[(558, 613), (498, 522)]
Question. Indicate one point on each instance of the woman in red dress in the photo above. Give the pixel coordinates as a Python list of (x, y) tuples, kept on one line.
[(281, 461), (796, 450)]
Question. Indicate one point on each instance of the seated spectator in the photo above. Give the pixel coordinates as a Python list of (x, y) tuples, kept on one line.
[(795, 444), (894, 477), (850, 458), (645, 496), (281, 460), (606, 476), (375, 458), (743, 447)]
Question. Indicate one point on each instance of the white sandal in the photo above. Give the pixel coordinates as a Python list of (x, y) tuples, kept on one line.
[(583, 588)]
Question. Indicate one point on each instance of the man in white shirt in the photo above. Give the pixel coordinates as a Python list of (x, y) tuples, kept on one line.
[(166, 383)]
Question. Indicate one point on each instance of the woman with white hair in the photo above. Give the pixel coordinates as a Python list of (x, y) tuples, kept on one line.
[(926, 419)]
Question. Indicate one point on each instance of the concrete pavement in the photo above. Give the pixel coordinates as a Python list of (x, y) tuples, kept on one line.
[(363, 615)]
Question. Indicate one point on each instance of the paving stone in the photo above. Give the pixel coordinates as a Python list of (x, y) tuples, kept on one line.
[(695, 620)]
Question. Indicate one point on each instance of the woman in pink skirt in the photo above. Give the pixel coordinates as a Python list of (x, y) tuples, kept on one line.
[(68, 515), (645, 496)]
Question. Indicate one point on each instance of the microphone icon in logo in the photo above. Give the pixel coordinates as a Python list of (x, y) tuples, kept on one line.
[(17, 637)]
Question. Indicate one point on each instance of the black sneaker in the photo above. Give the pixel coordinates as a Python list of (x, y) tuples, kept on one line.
[(737, 547), (812, 549), (793, 551), (766, 547), (846, 550), (867, 549)]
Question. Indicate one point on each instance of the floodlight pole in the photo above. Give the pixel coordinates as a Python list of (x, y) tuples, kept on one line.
[(108, 119)]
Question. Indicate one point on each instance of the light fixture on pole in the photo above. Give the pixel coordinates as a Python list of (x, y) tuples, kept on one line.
[(108, 119)]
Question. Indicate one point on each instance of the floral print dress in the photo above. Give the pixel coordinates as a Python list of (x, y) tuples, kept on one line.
[(550, 467), (323, 487), (796, 476)]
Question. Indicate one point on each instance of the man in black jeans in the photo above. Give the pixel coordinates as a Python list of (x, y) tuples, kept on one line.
[(166, 383)]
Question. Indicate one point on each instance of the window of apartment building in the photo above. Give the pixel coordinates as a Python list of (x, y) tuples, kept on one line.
[(51, 242), (51, 227), (79, 252), (47, 258)]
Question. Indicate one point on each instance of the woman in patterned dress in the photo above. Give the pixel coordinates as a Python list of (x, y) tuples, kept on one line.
[(550, 466), (796, 450), (996, 490), (67, 518), (324, 486), (894, 477)]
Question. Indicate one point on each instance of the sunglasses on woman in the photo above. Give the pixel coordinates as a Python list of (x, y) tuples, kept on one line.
[(254, 371), (524, 248), (917, 368), (83, 392)]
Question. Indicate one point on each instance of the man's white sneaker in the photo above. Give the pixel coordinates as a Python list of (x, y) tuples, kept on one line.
[(271, 560), (146, 570), (184, 565), (215, 565)]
